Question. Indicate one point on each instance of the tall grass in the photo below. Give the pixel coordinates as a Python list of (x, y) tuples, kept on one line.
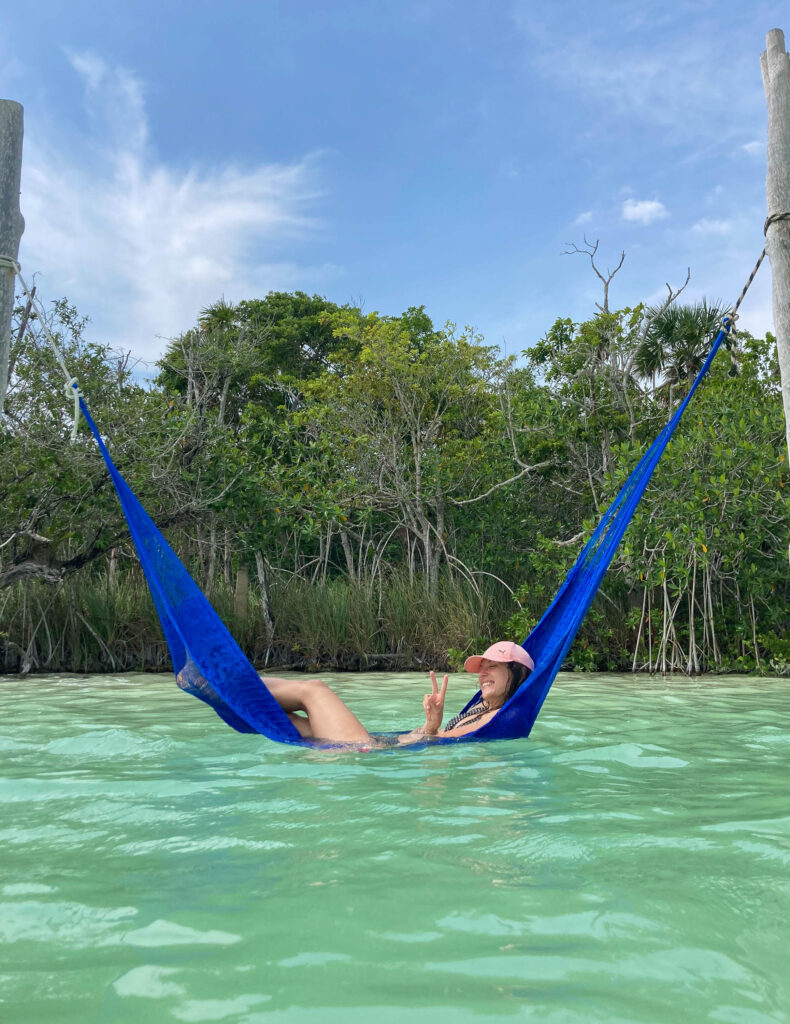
[(94, 623), (346, 624), (91, 623)]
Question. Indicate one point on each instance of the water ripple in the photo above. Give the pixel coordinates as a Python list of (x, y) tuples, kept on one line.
[(626, 865)]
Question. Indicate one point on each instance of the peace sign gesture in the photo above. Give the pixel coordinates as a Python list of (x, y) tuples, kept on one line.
[(433, 703)]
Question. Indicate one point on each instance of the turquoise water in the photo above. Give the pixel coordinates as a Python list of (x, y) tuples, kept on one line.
[(628, 863)]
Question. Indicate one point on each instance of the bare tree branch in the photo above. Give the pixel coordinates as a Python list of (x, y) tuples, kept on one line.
[(570, 541), (590, 250), (503, 483)]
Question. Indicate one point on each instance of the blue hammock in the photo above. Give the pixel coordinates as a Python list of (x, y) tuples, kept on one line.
[(209, 663)]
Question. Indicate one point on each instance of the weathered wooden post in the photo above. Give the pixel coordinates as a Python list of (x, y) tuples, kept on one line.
[(775, 65), (12, 224)]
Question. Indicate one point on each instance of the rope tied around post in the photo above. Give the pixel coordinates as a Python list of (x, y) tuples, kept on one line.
[(8, 263), (773, 218), (72, 385)]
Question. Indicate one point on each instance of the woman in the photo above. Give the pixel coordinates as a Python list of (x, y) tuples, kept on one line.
[(318, 713)]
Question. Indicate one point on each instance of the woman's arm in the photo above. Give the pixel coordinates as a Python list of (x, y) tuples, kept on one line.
[(417, 735)]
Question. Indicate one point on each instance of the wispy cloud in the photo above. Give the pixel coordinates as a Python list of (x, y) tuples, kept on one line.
[(643, 211), (708, 226), (617, 62), (13, 66), (140, 246), (584, 218), (754, 147)]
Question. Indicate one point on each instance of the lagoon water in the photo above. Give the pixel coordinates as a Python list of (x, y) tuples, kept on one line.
[(630, 862)]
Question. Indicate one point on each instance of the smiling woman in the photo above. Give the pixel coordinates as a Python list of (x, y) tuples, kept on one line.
[(318, 713)]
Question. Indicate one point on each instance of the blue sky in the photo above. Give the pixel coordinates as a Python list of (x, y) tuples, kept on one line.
[(387, 153)]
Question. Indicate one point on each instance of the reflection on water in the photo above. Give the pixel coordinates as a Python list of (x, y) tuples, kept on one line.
[(629, 862)]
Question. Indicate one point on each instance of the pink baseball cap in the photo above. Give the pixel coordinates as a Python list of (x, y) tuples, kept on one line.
[(502, 651)]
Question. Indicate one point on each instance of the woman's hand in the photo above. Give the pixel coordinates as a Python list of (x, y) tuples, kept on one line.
[(433, 703)]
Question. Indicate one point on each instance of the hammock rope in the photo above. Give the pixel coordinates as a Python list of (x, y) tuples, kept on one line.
[(72, 387), (209, 664)]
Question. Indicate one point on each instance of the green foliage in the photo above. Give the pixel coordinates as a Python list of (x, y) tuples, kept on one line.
[(390, 486)]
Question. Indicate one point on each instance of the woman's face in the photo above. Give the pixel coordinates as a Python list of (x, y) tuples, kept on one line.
[(494, 681)]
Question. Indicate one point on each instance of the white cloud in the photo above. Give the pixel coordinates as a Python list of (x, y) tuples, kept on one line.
[(141, 247), (584, 218), (708, 226), (754, 147), (643, 211)]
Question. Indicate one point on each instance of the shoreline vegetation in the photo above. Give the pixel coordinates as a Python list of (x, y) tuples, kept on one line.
[(338, 626), (359, 492)]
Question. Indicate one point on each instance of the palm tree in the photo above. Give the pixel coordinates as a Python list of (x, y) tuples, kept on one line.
[(677, 341), (220, 315)]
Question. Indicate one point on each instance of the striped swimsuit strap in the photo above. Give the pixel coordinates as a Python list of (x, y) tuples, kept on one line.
[(468, 716)]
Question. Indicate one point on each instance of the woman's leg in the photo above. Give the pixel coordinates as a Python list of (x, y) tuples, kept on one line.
[(328, 718), (301, 724)]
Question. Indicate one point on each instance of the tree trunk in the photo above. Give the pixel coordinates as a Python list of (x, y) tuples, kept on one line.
[(348, 553), (775, 66), (223, 402), (263, 584), (241, 594), (327, 552), (639, 632), (650, 632), (754, 633), (664, 630), (12, 223), (692, 667), (212, 556), (112, 569), (227, 562), (713, 642), (201, 551), (431, 554)]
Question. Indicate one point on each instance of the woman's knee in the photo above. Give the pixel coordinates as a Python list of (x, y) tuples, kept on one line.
[(314, 690), (295, 694)]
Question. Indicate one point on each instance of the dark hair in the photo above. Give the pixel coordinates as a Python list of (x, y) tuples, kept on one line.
[(518, 673)]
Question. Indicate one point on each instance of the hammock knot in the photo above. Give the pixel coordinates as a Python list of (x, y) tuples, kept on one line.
[(72, 390)]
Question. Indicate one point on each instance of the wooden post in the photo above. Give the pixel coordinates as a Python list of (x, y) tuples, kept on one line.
[(775, 65), (12, 224)]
